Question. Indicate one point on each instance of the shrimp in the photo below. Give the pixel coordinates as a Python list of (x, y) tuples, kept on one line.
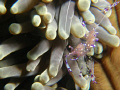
[(82, 48)]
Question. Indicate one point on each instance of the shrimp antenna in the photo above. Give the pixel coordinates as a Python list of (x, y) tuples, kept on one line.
[(107, 9)]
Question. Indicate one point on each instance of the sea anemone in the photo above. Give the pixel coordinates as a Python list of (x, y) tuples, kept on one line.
[(39, 36)]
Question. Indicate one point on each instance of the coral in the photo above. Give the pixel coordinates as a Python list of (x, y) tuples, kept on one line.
[(40, 40)]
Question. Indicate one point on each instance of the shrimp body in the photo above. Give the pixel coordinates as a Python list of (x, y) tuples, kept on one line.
[(81, 51), (90, 39), (83, 48)]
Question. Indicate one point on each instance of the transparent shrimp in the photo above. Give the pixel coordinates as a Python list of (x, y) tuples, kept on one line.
[(83, 48)]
